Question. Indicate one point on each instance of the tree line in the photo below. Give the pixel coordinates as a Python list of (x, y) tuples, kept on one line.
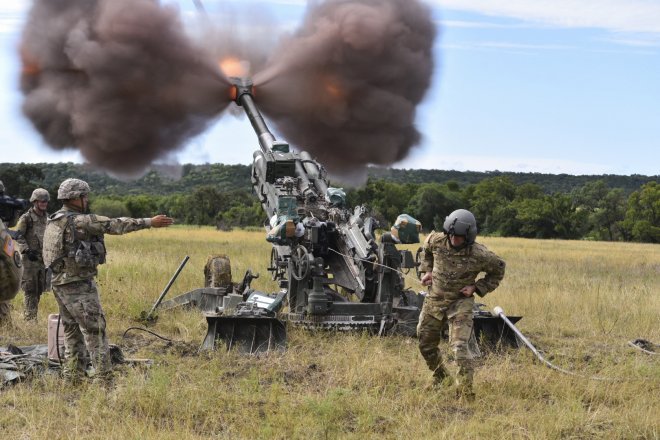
[(220, 195)]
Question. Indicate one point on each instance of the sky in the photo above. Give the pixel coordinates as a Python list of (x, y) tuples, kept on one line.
[(548, 86)]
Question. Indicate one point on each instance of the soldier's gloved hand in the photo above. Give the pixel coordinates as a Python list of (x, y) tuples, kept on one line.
[(32, 255), (161, 221)]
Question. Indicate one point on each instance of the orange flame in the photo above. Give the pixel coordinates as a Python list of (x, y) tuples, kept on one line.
[(232, 66), (333, 88), (29, 64)]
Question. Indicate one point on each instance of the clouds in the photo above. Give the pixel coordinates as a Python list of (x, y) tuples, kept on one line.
[(636, 16)]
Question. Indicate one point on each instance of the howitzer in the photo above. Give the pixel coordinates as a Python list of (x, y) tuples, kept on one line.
[(324, 255), (11, 208)]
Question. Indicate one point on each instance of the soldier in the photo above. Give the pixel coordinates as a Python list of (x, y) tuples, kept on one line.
[(73, 248), (30, 228), (451, 263), (11, 269)]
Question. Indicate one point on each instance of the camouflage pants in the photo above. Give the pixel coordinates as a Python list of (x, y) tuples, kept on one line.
[(84, 327), (436, 313), (33, 285), (5, 312)]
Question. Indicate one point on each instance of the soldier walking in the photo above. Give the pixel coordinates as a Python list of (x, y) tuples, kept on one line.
[(30, 228), (451, 263), (73, 248)]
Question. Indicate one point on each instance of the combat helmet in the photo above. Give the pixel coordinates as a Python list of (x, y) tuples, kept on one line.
[(72, 189), (461, 222), (39, 194)]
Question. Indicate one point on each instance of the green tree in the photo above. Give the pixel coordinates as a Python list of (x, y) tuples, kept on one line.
[(605, 207), (432, 202), (109, 207), (21, 179), (386, 200), (489, 201), (142, 206), (642, 221)]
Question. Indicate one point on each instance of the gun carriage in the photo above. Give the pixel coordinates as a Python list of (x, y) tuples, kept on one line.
[(324, 255)]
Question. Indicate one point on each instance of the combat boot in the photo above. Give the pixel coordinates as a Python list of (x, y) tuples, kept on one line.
[(441, 379), (464, 380)]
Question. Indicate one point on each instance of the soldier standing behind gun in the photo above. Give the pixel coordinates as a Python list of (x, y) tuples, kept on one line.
[(451, 262), (73, 248), (31, 227)]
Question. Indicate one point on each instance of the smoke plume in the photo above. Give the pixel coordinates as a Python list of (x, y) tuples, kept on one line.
[(117, 79), (345, 86), (122, 82)]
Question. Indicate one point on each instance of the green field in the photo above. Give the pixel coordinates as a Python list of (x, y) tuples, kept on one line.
[(580, 301)]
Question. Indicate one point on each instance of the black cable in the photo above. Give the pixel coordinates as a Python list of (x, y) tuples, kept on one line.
[(57, 340), (148, 331)]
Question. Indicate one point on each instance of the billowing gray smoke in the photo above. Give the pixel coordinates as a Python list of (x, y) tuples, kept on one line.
[(345, 86), (120, 80), (117, 79)]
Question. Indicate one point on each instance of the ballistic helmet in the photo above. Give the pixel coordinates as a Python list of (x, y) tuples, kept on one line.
[(72, 189), (40, 194), (461, 222)]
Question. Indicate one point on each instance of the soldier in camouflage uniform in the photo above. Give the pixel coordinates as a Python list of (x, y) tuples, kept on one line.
[(73, 248), (451, 263), (31, 227), (11, 269)]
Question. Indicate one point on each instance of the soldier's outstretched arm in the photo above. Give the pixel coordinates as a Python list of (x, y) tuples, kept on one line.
[(98, 224)]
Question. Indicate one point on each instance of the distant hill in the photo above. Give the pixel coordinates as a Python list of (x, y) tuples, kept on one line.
[(551, 183), (172, 179)]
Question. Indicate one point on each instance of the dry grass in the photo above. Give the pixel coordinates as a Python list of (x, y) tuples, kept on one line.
[(581, 302)]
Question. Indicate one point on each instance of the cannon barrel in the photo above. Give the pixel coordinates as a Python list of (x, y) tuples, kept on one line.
[(242, 91)]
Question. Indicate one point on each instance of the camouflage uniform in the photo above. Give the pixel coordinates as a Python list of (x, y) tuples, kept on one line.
[(31, 227), (11, 269), (452, 269), (73, 248)]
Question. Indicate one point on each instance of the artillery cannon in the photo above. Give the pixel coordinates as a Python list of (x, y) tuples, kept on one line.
[(324, 256)]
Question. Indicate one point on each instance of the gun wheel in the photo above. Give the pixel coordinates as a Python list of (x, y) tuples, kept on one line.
[(301, 264), (276, 270)]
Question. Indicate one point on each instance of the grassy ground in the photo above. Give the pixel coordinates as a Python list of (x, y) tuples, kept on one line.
[(580, 301)]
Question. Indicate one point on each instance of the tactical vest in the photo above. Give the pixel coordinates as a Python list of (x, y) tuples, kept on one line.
[(66, 249), (34, 231)]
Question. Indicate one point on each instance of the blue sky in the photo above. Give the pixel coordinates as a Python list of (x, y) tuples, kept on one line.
[(556, 86)]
